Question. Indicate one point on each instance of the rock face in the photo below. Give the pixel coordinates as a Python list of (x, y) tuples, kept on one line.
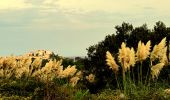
[(41, 53)]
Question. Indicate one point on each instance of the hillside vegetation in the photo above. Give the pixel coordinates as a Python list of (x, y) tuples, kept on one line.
[(133, 64)]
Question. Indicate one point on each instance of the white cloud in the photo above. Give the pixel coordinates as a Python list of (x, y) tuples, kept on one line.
[(14, 4), (83, 6), (129, 6), (48, 1)]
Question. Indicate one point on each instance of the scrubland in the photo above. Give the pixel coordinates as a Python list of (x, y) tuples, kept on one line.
[(44, 77)]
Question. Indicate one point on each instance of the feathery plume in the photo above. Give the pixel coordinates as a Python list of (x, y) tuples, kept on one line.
[(126, 56), (2, 73), (163, 58), (50, 70), (79, 74), (167, 91), (8, 66), (159, 51), (68, 72), (111, 62), (143, 51), (57, 68), (90, 78), (132, 57), (74, 81), (155, 70), (123, 56), (37, 63), (37, 73)]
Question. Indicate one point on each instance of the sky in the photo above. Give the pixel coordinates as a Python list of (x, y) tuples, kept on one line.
[(68, 27)]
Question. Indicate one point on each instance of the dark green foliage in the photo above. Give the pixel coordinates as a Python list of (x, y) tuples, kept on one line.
[(79, 62), (19, 87), (66, 62), (31, 89)]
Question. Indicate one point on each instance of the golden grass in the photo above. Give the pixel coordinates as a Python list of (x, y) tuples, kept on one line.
[(127, 57), (28, 67), (111, 62), (91, 78)]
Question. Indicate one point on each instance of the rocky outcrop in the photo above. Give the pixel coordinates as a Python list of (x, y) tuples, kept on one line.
[(39, 57), (42, 54)]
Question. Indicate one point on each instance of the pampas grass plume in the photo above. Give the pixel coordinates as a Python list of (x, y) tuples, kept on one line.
[(155, 70), (90, 78), (74, 80), (111, 62), (159, 51), (143, 51), (126, 57)]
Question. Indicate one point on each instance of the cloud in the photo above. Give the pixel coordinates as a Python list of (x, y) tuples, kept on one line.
[(110, 6), (48, 1), (71, 23), (14, 4), (85, 6)]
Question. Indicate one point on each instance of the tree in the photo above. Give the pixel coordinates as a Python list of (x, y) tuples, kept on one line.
[(95, 62), (141, 33), (123, 32)]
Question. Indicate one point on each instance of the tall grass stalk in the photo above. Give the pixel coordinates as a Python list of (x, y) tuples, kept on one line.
[(123, 76), (141, 73), (138, 74), (133, 76), (147, 77), (118, 85)]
